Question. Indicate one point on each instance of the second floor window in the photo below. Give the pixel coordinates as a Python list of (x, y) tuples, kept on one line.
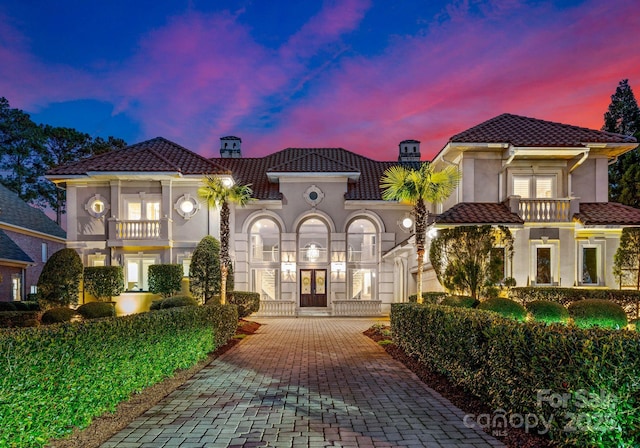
[(142, 207), (534, 187)]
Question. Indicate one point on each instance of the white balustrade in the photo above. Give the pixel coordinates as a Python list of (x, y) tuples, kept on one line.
[(545, 210), (357, 307)]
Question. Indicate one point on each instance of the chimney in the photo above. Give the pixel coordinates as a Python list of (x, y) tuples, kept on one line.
[(230, 147), (409, 151)]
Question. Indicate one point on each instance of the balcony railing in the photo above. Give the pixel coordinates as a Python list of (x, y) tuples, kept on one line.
[(140, 230), (544, 210)]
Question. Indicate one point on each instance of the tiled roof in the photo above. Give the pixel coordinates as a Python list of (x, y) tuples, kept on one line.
[(16, 212), (531, 132), (479, 213), (319, 160), (607, 213), (11, 251), (155, 155)]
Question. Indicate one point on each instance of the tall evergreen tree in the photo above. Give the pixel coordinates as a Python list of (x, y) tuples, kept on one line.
[(623, 117)]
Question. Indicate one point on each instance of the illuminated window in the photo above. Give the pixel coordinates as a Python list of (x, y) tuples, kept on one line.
[(362, 284), (97, 206), (313, 240), (142, 207), (590, 263), (265, 282), (361, 241), (265, 241), (137, 271), (534, 187)]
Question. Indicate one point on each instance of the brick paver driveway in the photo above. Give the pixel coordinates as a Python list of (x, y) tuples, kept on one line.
[(307, 382)]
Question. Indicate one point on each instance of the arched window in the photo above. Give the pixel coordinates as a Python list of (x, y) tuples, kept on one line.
[(313, 241), (362, 250), (361, 241), (265, 240)]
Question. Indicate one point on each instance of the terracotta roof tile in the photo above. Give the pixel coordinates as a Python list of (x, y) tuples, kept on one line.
[(155, 155), (607, 213), (14, 211), (254, 170), (479, 213), (531, 132)]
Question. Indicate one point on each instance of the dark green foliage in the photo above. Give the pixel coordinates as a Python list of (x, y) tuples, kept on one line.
[(177, 301), (165, 279), (27, 305), (460, 302), (96, 310), (12, 319), (504, 307), (246, 301), (626, 260), (623, 117), (204, 271), (59, 282), (104, 282), (547, 311), (464, 259), (428, 297), (596, 312), (156, 305), (506, 364), (627, 299), (7, 306), (62, 377), (57, 315)]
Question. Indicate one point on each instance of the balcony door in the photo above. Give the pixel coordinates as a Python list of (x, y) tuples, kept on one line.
[(313, 287)]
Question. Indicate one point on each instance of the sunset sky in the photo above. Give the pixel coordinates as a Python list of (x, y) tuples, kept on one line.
[(358, 74)]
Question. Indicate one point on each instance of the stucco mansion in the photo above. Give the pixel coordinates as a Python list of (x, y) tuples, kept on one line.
[(318, 238)]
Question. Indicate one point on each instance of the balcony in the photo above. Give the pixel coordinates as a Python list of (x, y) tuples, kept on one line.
[(544, 210), (139, 232)]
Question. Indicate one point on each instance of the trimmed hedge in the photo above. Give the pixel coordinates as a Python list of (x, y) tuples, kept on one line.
[(7, 306), (104, 282), (460, 302), (523, 367), (59, 281), (57, 315), (97, 310), (10, 319), (60, 377), (27, 305), (428, 297), (505, 307), (173, 302), (547, 312), (627, 299), (246, 301), (595, 312), (165, 279)]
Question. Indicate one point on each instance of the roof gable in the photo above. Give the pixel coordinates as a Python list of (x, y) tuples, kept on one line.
[(15, 212), (531, 132), (313, 162), (155, 155)]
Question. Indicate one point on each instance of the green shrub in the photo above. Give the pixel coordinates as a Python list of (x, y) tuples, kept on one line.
[(523, 366), (596, 312), (627, 299), (7, 306), (27, 306), (460, 302), (428, 297), (178, 301), (63, 376), (156, 305), (12, 319), (547, 311), (104, 282), (57, 315), (165, 279), (59, 282), (504, 307), (96, 310), (246, 301)]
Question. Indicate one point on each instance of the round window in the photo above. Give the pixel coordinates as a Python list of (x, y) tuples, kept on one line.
[(313, 195), (97, 206), (187, 206)]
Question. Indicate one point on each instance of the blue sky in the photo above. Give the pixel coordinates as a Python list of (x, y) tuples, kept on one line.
[(358, 74)]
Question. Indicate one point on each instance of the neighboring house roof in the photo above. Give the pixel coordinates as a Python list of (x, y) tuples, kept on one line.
[(11, 251), (530, 132), (607, 213), (479, 213), (155, 155), (255, 171), (15, 212)]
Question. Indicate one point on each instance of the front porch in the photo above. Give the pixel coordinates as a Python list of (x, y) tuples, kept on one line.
[(345, 308)]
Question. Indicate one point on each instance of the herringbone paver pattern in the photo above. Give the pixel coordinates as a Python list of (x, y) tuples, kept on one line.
[(307, 382)]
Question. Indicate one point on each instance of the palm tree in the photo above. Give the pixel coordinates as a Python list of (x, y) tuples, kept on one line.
[(417, 187), (220, 193)]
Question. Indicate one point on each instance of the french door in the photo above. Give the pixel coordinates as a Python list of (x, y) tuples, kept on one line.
[(313, 287)]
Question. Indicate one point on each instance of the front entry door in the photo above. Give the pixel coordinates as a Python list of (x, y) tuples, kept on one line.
[(313, 287)]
